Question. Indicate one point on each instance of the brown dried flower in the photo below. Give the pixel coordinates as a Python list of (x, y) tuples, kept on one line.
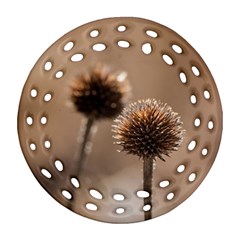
[(148, 129), (100, 94)]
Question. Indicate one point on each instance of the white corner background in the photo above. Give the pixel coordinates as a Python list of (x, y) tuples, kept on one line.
[(28, 28)]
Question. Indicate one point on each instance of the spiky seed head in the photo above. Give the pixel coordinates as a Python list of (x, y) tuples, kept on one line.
[(99, 93), (149, 129)]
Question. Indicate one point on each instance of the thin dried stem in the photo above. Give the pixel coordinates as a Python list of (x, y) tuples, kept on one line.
[(86, 139), (147, 184)]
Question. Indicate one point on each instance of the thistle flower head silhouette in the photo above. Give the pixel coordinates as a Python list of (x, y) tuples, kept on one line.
[(100, 94), (148, 129)]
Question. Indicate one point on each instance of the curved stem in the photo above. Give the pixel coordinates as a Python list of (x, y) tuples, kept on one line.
[(86, 138), (81, 160)]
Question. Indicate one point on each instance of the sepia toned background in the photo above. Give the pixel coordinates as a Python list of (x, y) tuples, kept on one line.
[(28, 28)]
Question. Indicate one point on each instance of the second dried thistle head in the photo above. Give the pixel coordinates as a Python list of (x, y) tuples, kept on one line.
[(100, 94), (148, 129)]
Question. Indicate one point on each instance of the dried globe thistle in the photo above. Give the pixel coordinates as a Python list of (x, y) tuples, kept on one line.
[(100, 94), (148, 129)]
